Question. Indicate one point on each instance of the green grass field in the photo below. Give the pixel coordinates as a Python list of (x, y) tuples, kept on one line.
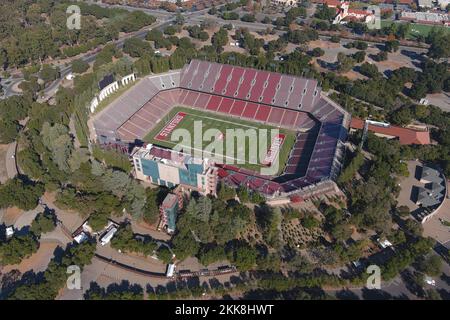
[(416, 29), (219, 124)]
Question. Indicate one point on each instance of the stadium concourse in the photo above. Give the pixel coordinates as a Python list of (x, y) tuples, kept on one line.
[(266, 97)]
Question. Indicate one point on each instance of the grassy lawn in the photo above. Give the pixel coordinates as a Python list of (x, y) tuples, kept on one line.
[(415, 29), (217, 126)]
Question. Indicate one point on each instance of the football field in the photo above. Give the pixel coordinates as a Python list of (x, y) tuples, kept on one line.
[(225, 139)]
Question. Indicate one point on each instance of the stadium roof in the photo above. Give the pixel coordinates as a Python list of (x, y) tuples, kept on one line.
[(405, 135)]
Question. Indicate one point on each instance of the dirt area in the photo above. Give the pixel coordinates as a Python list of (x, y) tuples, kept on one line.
[(395, 60), (71, 219), (295, 235), (145, 229), (37, 262), (441, 100), (353, 75), (105, 274), (132, 260), (434, 227), (323, 44), (3, 173), (11, 215)]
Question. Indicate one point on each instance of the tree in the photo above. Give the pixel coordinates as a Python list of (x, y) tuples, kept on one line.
[(125, 240), (151, 209), (79, 66), (98, 220), (317, 52), (18, 248), (349, 172), (9, 131), (244, 257), (229, 15), (211, 253), (403, 211), (49, 73), (225, 192), (335, 39), (359, 56), (323, 12), (185, 245), (21, 193), (43, 223), (136, 47), (309, 222), (170, 30), (431, 266), (248, 18), (164, 254), (268, 220), (439, 47), (219, 39), (345, 63), (58, 141), (368, 70), (380, 56), (413, 227), (391, 46)]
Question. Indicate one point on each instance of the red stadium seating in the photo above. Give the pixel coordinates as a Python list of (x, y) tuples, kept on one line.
[(245, 86), (234, 82), (238, 108), (258, 86), (269, 92), (222, 81), (276, 114), (214, 103), (250, 110), (263, 113), (225, 105)]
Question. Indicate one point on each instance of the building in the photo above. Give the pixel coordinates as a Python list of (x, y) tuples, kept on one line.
[(425, 3), (170, 270), (396, 2), (443, 4), (427, 198), (344, 13), (404, 135), (106, 238), (287, 3), (169, 168), (430, 175), (426, 17), (9, 232), (169, 211), (430, 197)]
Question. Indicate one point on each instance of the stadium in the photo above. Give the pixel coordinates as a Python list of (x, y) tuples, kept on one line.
[(311, 128)]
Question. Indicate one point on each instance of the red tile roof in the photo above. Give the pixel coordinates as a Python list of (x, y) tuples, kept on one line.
[(405, 135)]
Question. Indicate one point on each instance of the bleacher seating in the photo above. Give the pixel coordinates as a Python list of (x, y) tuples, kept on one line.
[(272, 98)]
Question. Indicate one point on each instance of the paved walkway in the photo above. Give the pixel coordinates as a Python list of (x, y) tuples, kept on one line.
[(11, 167)]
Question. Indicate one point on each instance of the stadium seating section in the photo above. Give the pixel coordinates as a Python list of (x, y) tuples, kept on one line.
[(271, 98)]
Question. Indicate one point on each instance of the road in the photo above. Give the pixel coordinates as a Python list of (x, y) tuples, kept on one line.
[(164, 19), (11, 166)]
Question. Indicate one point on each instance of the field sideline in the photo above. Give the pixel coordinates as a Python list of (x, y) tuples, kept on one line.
[(417, 28), (210, 120)]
